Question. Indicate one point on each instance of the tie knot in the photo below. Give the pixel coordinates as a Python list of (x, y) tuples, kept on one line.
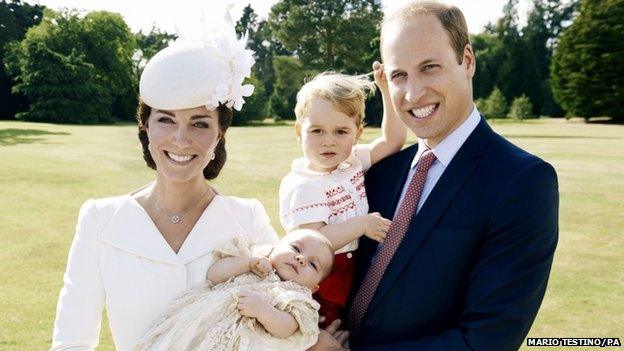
[(426, 160)]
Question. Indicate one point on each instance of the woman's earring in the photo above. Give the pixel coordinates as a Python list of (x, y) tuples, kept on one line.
[(212, 157)]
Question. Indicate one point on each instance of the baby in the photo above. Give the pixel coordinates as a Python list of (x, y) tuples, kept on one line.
[(251, 301), (325, 190)]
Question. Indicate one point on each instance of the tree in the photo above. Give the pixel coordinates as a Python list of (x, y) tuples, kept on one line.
[(329, 34), (255, 107), (62, 88), (545, 22), (149, 44), (495, 105), (587, 70), (289, 78), (517, 73), (86, 60), (521, 108), (15, 19), (489, 53), (324, 35)]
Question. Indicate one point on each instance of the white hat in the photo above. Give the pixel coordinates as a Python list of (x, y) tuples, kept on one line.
[(202, 71)]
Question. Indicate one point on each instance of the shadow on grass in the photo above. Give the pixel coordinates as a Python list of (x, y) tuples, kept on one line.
[(511, 136), (14, 136)]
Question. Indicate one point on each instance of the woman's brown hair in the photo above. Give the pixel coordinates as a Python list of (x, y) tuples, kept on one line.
[(214, 167)]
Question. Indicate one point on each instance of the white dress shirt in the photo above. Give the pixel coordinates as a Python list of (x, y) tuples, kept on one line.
[(120, 261), (444, 152)]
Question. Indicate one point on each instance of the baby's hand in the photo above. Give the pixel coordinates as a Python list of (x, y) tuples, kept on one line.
[(380, 77), (376, 226), (260, 266), (251, 304)]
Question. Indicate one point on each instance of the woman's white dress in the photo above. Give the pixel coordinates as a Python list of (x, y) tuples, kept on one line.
[(207, 318), (120, 261)]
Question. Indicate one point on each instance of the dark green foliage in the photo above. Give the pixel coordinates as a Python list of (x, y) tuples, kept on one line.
[(255, 107), (76, 70), (259, 39), (587, 71), (62, 88), (329, 34), (149, 44), (517, 73), (495, 106), (544, 25), (489, 52), (15, 19), (290, 75), (326, 35), (521, 108), (517, 60)]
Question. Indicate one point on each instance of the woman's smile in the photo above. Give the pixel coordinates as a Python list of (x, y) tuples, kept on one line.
[(179, 159)]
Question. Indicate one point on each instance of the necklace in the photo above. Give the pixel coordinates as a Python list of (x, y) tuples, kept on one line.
[(177, 217)]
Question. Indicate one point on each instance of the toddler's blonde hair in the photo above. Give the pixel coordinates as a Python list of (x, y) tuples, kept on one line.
[(347, 94)]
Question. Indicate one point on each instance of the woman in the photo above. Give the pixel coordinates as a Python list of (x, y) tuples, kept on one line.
[(134, 253)]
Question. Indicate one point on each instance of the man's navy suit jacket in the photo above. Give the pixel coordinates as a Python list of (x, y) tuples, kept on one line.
[(472, 269)]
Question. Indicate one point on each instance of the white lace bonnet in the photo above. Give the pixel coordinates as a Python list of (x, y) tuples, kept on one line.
[(199, 71)]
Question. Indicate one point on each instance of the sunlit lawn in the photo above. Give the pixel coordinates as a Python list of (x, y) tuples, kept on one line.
[(47, 171)]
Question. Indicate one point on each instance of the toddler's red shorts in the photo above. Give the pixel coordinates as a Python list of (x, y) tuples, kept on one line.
[(334, 290)]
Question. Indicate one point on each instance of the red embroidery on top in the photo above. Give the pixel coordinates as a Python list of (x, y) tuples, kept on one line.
[(303, 208), (334, 191), (356, 176)]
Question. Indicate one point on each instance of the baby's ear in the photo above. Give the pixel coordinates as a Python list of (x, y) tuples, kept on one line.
[(315, 288)]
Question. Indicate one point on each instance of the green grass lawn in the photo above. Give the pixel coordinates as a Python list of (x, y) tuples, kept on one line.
[(47, 171)]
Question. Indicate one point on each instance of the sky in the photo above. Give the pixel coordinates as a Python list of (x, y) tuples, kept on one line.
[(179, 16)]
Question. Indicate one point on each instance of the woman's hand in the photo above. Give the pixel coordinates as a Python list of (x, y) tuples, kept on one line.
[(251, 304), (260, 266), (376, 227)]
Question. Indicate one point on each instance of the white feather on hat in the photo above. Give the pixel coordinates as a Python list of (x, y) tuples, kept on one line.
[(203, 70)]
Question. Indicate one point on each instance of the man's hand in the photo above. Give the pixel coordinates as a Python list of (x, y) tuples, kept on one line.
[(260, 266), (251, 304), (331, 339), (376, 227)]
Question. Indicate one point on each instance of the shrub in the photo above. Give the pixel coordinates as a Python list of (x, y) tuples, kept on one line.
[(521, 108)]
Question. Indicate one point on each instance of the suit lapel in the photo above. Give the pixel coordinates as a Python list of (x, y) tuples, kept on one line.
[(451, 181), (397, 180)]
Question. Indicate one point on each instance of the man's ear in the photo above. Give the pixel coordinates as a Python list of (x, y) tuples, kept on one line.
[(469, 59)]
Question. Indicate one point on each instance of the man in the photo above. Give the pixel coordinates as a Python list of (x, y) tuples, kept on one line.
[(475, 219)]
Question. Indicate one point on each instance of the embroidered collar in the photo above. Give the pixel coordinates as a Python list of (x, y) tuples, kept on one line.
[(302, 166)]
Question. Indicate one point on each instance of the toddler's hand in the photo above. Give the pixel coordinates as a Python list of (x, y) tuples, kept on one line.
[(260, 266), (380, 77), (251, 304), (376, 226)]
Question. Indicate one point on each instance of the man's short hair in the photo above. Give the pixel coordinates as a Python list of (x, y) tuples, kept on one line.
[(450, 16)]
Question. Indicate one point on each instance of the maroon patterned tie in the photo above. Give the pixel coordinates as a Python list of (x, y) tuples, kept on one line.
[(398, 228)]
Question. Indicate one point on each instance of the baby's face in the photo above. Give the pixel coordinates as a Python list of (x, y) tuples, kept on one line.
[(327, 135), (303, 258)]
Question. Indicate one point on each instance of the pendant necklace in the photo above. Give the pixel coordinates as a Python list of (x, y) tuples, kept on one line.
[(175, 218)]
